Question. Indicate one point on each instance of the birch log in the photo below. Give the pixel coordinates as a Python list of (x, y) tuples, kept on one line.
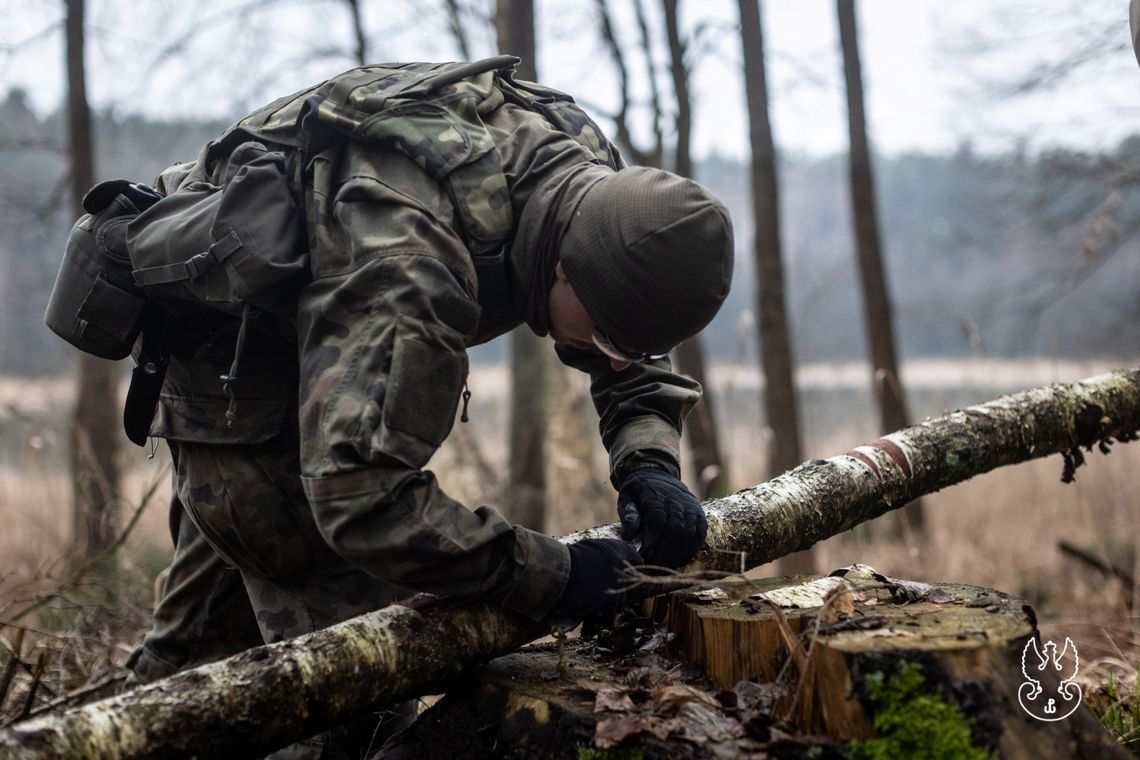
[(270, 696)]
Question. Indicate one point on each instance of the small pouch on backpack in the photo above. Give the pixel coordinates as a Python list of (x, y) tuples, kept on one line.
[(222, 246), (94, 304)]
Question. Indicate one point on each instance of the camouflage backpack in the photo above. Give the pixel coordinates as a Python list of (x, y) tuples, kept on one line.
[(433, 113), (229, 233)]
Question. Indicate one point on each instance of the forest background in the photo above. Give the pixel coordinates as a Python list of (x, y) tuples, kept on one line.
[(1006, 143)]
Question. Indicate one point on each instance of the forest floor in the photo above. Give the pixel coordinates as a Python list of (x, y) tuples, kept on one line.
[(1002, 530)]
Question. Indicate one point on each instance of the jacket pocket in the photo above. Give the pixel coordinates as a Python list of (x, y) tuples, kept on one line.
[(203, 420), (422, 396)]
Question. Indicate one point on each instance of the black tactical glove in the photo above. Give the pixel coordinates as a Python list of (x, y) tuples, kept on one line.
[(596, 568), (659, 508)]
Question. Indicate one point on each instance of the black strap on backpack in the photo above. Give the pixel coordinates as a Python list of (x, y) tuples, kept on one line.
[(146, 379)]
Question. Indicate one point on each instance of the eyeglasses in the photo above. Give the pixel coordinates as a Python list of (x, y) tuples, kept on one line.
[(606, 345)]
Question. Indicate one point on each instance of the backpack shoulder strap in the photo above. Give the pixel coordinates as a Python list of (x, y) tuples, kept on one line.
[(564, 113)]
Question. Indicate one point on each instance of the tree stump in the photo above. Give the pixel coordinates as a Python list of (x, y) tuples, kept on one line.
[(854, 665), (860, 652)]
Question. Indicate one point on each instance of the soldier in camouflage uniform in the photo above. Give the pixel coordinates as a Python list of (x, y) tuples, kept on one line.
[(315, 489)]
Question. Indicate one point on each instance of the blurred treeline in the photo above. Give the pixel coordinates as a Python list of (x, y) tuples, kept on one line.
[(996, 255)]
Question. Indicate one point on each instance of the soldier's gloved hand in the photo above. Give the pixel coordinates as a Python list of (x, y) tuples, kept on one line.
[(597, 567), (659, 508)]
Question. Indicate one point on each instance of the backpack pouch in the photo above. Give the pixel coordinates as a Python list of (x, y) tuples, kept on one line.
[(222, 246), (94, 306)]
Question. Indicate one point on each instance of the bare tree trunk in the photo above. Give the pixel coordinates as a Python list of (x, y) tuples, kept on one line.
[(95, 427), (514, 26), (528, 427), (270, 696), (682, 157), (872, 273), (700, 427), (774, 332), (361, 51), (775, 343), (455, 25)]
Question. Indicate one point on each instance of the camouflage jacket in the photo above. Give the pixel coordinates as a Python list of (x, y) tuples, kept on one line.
[(381, 334)]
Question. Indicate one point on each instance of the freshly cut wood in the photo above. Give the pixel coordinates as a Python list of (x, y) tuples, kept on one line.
[(841, 641), (270, 696)]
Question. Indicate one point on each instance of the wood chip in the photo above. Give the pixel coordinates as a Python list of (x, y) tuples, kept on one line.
[(802, 595), (710, 594)]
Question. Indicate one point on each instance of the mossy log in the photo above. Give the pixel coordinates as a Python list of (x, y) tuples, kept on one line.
[(861, 651), (270, 696)]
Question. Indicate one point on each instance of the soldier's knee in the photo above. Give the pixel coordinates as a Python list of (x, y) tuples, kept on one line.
[(144, 666)]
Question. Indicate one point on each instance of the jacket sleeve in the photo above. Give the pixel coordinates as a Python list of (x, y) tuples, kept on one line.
[(641, 410), (382, 330)]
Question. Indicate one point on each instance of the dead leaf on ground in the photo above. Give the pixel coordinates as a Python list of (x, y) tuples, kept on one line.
[(679, 693), (702, 724), (611, 732), (752, 695), (658, 640), (612, 700), (591, 685)]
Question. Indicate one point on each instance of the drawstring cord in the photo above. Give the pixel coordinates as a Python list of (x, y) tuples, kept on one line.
[(466, 397), (231, 377)]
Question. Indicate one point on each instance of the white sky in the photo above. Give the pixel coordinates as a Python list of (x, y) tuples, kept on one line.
[(936, 73)]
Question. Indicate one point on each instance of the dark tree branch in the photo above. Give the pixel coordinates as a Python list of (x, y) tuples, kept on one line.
[(458, 30), (361, 50), (657, 151)]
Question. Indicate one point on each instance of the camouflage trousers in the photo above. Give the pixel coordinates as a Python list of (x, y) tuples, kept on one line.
[(250, 567)]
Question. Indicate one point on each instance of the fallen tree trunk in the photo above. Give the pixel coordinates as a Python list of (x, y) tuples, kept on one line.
[(270, 696)]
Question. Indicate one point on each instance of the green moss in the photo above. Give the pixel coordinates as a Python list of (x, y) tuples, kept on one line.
[(617, 753), (913, 722)]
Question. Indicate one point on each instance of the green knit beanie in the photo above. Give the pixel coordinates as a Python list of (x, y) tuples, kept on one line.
[(649, 254)]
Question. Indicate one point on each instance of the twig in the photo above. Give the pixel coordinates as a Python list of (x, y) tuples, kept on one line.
[(111, 549), (658, 150), (623, 135), (652, 580), (10, 666), (37, 676), (1106, 568), (456, 27), (78, 694)]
